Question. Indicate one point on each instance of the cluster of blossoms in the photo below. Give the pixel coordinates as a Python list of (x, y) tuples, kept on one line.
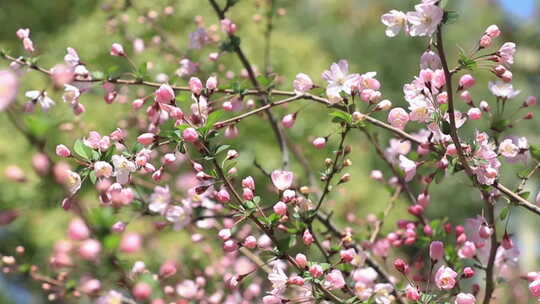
[(276, 243)]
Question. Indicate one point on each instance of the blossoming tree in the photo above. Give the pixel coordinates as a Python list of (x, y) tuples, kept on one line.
[(286, 249)]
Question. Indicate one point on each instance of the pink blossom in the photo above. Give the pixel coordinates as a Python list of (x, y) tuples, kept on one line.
[(398, 118), (302, 83), (412, 293), (425, 20), (23, 33), (408, 166), (28, 45), (334, 280), (8, 88), (223, 195), (117, 50), (282, 180), (503, 90), (279, 280), (316, 270), (103, 169), (164, 94), (506, 53), (248, 182), (339, 80), (72, 58), (394, 22), (530, 101), (534, 288), (445, 278), (95, 141), (271, 299), (62, 74), (467, 250), (465, 298)]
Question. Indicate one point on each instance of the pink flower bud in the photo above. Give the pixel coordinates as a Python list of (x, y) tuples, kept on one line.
[(465, 298), (485, 231), (442, 98), (316, 270), (347, 255), (467, 251), (118, 227), (288, 195), (302, 83), (307, 237), (423, 199), (62, 151), (142, 291), (289, 120), (228, 26), (146, 138), (507, 242), (484, 106), (416, 210), (493, 31), (280, 208), (230, 246), (195, 86), (23, 33), (468, 272), (282, 180), (401, 266), (78, 230), (271, 299), (131, 242), (474, 113), (319, 142), (530, 101), (412, 293), (466, 96), (231, 132), (224, 234), (485, 41), (296, 280), (137, 104), (117, 50), (223, 195), (164, 94), (90, 249), (436, 250), (466, 82), (28, 45), (211, 83), (169, 159), (190, 135), (301, 260), (213, 56), (384, 105), (248, 182), (232, 154), (507, 76), (398, 118), (41, 163), (250, 242), (247, 194), (90, 286)]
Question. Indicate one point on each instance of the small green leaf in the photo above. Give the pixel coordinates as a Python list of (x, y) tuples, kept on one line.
[(535, 152), (504, 213), (450, 17), (341, 117), (82, 150)]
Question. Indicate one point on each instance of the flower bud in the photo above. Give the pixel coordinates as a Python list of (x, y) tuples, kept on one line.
[(62, 151), (436, 250), (117, 50)]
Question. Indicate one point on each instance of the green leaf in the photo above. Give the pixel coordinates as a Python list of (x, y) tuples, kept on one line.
[(504, 213), (221, 149), (535, 152), (230, 45), (446, 127), (466, 62), (450, 17), (142, 71), (82, 150), (341, 117), (500, 125)]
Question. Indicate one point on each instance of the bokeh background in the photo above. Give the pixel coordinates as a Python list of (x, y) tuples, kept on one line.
[(308, 37)]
